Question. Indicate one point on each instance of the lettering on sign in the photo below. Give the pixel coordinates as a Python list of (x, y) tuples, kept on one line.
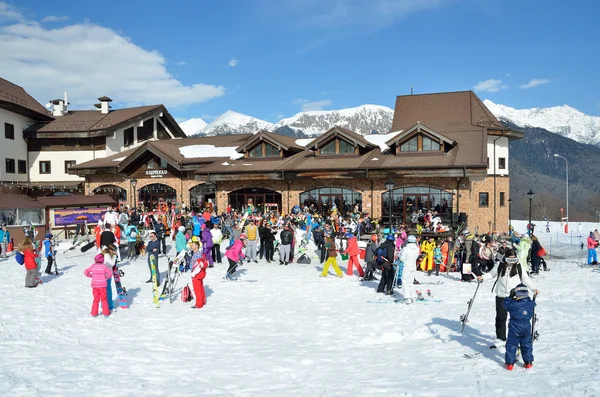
[(156, 173)]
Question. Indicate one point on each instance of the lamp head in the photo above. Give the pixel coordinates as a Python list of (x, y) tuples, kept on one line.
[(530, 194)]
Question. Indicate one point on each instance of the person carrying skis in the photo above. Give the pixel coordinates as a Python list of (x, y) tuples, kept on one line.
[(352, 252), (385, 259), (49, 253), (520, 307), (199, 265), (331, 258), (409, 256), (508, 275), (99, 274), (234, 254)]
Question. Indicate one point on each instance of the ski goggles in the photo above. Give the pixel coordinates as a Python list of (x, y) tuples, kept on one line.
[(511, 260)]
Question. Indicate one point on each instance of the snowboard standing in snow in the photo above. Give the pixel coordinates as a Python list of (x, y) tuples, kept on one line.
[(121, 291), (155, 293), (464, 319)]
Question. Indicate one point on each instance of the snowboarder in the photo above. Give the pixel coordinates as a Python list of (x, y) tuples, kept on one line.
[(99, 273), (520, 307), (199, 265), (508, 275), (409, 256), (352, 252), (234, 254)]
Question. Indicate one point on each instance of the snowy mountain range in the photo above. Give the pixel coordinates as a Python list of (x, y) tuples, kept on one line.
[(375, 119), (365, 119), (563, 120)]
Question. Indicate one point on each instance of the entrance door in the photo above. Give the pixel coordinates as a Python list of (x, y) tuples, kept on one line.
[(415, 202)]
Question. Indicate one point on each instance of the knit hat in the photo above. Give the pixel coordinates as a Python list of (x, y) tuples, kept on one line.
[(99, 258), (412, 239), (181, 229), (519, 292)]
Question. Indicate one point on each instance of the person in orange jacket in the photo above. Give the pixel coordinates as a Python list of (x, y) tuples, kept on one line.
[(98, 233), (31, 278), (445, 247), (352, 252)]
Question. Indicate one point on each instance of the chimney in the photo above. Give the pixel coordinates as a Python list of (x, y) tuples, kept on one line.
[(66, 105), (104, 104), (58, 107)]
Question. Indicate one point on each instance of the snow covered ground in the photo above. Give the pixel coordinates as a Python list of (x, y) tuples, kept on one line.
[(290, 333)]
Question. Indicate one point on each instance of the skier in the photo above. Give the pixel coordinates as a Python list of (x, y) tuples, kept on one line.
[(508, 275), (234, 254), (207, 244), (331, 258), (409, 257), (520, 307), (48, 252), (4, 239), (352, 252), (199, 265), (30, 255), (370, 256), (385, 259), (99, 273), (591, 245)]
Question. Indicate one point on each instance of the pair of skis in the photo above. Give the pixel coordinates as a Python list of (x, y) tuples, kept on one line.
[(464, 318), (155, 292)]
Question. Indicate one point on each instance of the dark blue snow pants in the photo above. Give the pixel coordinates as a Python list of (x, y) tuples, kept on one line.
[(519, 335)]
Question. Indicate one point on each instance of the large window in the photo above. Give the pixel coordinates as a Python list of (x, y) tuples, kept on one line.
[(146, 131), (256, 151), (22, 165), (45, 167), (337, 146), (271, 151), (259, 197), (69, 164), (484, 199), (13, 217), (346, 147), (430, 144), (409, 200), (329, 148), (10, 166), (325, 199), (128, 137), (9, 131), (410, 145)]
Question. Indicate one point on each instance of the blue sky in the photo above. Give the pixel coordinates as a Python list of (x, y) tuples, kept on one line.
[(272, 59)]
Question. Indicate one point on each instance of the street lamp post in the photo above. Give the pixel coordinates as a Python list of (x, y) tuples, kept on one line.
[(530, 194), (389, 185), (133, 184), (567, 164), (510, 200)]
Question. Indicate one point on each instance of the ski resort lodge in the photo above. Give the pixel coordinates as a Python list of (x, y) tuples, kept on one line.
[(445, 152)]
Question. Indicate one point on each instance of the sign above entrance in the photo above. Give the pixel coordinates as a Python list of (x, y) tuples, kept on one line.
[(156, 173)]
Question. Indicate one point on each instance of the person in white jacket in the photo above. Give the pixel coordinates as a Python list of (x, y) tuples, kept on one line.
[(409, 256), (507, 275)]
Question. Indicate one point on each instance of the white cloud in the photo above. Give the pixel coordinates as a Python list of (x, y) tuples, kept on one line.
[(232, 63), (181, 63), (534, 83), (9, 13), (54, 18), (308, 106), (490, 85), (89, 61)]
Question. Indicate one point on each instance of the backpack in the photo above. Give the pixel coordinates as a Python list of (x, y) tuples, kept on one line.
[(133, 233), (186, 294), (20, 258), (381, 257)]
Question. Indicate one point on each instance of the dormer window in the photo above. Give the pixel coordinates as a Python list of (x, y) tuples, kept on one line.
[(264, 149), (410, 145), (420, 139), (337, 146), (430, 144)]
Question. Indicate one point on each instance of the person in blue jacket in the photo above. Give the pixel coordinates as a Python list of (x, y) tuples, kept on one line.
[(520, 307), (4, 239), (196, 226), (48, 253), (131, 232)]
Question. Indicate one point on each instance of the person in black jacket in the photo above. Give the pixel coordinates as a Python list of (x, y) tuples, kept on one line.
[(267, 238), (386, 263), (153, 249), (535, 259), (370, 256), (107, 237), (262, 228), (159, 229), (286, 238), (320, 243)]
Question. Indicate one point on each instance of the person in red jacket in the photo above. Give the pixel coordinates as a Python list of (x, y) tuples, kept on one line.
[(31, 278), (199, 265), (352, 252)]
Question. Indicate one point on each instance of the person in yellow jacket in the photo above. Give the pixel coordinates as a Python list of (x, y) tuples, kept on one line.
[(427, 249), (251, 242)]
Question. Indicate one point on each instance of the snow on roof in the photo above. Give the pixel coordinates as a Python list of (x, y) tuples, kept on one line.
[(303, 142), (380, 140), (120, 158), (202, 151)]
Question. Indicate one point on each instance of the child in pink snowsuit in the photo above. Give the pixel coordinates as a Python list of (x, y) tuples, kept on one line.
[(99, 274)]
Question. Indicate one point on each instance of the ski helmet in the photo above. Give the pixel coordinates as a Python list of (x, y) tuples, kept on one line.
[(520, 291), (243, 236), (412, 239)]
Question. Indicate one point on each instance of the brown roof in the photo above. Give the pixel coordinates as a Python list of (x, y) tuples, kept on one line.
[(18, 201), (93, 120), (18, 100), (358, 138), (76, 201), (446, 109)]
